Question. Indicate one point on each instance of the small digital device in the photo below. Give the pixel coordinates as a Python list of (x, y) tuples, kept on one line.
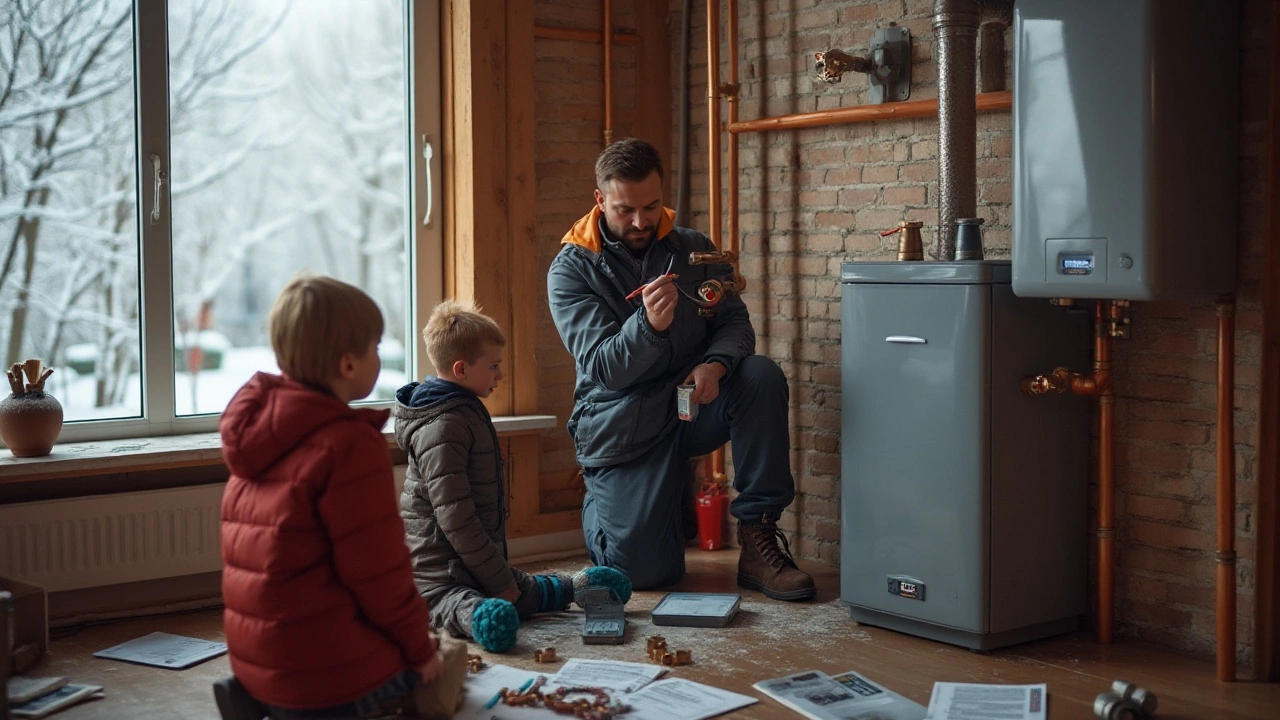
[(1075, 264), (605, 619), (686, 408), (696, 609)]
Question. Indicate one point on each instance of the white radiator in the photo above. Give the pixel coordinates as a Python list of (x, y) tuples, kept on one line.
[(109, 539)]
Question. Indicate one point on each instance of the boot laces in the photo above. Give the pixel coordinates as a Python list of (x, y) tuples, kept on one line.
[(767, 539)]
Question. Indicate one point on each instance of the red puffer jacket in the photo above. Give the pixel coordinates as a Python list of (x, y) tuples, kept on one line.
[(320, 603)]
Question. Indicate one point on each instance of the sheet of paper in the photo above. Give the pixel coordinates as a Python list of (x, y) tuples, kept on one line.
[(680, 699), (482, 686), (164, 650), (64, 696), (608, 674), (675, 699), (847, 696), (972, 701)]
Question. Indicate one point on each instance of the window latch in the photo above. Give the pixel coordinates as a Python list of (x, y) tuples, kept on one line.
[(158, 173)]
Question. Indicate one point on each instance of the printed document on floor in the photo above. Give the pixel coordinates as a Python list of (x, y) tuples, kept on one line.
[(847, 696), (680, 699), (674, 699), (971, 701)]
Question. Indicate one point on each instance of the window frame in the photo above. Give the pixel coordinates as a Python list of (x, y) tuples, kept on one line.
[(424, 239)]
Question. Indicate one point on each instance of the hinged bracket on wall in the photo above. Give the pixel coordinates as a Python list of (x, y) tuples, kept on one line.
[(888, 65)]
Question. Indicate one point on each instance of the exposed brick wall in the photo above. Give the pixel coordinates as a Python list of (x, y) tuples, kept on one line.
[(813, 198)]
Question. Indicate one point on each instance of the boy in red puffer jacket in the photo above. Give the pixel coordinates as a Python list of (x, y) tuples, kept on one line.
[(322, 617)]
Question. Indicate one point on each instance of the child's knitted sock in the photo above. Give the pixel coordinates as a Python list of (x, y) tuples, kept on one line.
[(555, 592), (494, 623), (619, 585)]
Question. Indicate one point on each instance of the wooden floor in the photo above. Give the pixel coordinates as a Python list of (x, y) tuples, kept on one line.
[(767, 639)]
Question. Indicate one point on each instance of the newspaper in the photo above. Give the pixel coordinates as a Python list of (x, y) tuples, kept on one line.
[(847, 696), (164, 650), (971, 701), (64, 696)]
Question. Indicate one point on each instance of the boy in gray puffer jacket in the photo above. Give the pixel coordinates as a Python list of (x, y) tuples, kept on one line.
[(453, 503)]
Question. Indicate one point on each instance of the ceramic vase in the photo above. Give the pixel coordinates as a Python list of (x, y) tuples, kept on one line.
[(30, 418)]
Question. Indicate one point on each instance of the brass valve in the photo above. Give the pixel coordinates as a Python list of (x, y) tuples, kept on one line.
[(1058, 381)]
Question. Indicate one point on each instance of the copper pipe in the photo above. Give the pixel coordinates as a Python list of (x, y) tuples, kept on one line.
[(731, 242), (559, 33), (715, 463), (1226, 490), (1097, 384), (713, 119), (607, 37), (1002, 100), (1101, 386)]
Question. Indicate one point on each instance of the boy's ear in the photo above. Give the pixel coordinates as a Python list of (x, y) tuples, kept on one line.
[(459, 369), (347, 366)]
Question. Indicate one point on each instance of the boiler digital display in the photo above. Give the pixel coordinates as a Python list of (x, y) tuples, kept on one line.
[(1075, 264)]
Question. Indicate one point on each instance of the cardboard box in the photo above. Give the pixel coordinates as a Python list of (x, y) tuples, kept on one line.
[(30, 623)]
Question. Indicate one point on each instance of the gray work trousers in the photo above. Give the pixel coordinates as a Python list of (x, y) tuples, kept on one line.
[(452, 605), (631, 516)]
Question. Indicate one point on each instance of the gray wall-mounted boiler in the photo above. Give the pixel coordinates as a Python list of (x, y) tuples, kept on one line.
[(1125, 148)]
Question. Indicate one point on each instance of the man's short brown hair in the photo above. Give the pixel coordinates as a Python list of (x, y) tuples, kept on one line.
[(630, 159), (459, 331), (315, 321)]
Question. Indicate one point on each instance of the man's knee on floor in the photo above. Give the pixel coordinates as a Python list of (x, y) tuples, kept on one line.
[(761, 369)]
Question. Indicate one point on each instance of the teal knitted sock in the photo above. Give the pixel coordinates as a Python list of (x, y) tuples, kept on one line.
[(494, 623), (619, 585), (555, 592)]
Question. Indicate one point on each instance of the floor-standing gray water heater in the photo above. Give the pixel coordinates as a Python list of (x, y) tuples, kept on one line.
[(963, 501), (1124, 148)]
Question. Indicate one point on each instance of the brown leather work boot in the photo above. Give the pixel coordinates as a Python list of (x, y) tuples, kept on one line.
[(766, 567)]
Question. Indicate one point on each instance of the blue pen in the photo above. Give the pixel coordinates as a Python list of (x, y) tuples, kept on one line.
[(498, 695)]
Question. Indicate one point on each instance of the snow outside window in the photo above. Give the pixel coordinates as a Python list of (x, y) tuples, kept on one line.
[(280, 138)]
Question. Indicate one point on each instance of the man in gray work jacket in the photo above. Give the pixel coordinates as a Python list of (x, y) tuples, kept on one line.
[(631, 354)]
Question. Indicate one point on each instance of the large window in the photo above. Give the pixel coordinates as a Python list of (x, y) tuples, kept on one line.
[(166, 167)]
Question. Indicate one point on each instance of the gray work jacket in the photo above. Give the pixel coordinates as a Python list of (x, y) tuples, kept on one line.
[(625, 397)]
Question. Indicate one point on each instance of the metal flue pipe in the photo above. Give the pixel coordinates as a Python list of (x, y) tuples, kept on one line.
[(955, 28)]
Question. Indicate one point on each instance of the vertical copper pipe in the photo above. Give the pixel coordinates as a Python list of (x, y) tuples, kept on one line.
[(1106, 471), (715, 471), (1226, 490), (608, 71), (731, 22), (713, 120)]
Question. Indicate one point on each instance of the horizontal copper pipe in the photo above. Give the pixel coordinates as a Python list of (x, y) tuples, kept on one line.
[(1002, 100), (559, 33)]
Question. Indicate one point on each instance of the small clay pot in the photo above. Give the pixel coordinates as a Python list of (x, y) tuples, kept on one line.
[(30, 423)]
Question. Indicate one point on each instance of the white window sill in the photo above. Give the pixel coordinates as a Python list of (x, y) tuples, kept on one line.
[(82, 459)]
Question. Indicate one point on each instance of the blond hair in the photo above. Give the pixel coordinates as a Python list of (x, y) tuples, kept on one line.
[(315, 321), (458, 331)]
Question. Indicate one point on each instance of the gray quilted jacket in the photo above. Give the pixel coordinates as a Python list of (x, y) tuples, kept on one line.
[(453, 500)]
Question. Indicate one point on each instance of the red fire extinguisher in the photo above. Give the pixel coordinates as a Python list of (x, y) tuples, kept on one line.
[(713, 506)]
